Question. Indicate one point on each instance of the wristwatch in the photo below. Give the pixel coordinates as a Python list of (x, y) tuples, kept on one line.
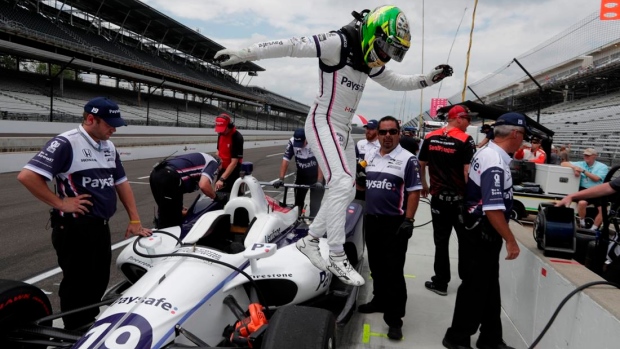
[(222, 179), (410, 219)]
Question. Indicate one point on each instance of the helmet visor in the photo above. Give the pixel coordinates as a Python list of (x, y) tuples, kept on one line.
[(394, 47)]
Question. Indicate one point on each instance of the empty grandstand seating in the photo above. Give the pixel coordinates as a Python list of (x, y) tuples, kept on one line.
[(588, 122)]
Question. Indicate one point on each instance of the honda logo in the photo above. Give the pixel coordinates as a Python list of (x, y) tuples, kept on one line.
[(87, 153)]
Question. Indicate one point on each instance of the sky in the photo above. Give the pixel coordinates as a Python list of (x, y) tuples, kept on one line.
[(503, 30)]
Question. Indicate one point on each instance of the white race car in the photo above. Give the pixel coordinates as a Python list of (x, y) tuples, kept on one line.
[(235, 279)]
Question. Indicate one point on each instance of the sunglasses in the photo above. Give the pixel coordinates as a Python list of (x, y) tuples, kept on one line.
[(392, 131)]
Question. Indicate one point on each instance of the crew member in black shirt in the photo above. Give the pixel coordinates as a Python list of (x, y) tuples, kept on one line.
[(447, 153)]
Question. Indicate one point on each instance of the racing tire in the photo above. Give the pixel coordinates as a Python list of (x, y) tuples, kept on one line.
[(518, 211), (301, 328), (21, 304)]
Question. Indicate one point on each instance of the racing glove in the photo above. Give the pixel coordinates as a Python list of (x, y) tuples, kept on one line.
[(277, 184), (318, 186), (360, 175), (229, 56), (406, 229), (439, 73), (221, 196)]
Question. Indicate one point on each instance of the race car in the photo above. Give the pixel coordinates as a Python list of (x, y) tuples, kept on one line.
[(234, 279)]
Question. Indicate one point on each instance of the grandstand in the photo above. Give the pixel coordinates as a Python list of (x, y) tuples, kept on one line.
[(574, 88), (55, 55)]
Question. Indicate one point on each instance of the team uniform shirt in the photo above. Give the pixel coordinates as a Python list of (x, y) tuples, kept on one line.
[(538, 156), (230, 147), (364, 147), (446, 153), (489, 186), (388, 179), (597, 168), (191, 167), (307, 167), (82, 166)]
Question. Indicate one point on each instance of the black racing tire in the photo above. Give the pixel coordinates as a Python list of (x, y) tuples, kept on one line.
[(518, 211), (301, 327), (20, 304)]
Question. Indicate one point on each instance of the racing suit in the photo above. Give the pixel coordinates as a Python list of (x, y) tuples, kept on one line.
[(342, 79)]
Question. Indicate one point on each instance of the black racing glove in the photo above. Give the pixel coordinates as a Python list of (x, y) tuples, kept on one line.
[(441, 71), (277, 184), (318, 186), (360, 175), (221, 197), (406, 229)]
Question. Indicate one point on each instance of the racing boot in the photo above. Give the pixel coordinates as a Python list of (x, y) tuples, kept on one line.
[(340, 266), (309, 246)]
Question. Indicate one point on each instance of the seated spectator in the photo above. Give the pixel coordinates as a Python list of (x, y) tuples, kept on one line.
[(563, 153), (592, 173), (554, 158), (533, 154)]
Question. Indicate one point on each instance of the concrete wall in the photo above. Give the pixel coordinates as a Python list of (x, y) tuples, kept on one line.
[(534, 285), (132, 142)]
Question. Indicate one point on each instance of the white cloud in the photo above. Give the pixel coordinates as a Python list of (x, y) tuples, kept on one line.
[(503, 30)]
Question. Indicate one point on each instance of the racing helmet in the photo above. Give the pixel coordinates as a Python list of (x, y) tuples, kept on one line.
[(384, 35)]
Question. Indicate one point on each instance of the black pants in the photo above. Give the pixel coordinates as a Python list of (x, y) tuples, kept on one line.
[(316, 195), (445, 217), (386, 258), (167, 190), (83, 249), (478, 302)]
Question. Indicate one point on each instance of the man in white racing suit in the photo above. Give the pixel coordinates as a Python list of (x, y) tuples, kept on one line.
[(347, 58)]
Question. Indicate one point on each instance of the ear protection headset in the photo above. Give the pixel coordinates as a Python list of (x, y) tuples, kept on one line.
[(231, 124)]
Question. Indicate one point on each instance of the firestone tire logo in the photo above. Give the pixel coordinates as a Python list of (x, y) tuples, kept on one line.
[(118, 331)]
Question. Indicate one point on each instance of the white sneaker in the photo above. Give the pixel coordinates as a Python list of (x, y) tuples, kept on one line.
[(340, 266), (309, 246)]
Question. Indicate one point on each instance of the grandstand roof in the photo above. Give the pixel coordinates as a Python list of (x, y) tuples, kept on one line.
[(142, 19)]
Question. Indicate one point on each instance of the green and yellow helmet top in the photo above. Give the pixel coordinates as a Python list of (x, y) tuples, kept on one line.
[(385, 35)]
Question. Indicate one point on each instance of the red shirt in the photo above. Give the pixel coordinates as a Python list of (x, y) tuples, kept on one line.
[(230, 147)]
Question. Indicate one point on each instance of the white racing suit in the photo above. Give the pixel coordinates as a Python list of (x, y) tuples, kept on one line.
[(342, 79)]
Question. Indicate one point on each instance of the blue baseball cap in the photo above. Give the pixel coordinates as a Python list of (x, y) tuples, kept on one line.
[(372, 124), (299, 137), (105, 109), (514, 119)]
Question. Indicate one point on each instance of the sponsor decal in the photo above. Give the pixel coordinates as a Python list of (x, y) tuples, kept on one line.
[(139, 262), (88, 160), (87, 153), (349, 109), (324, 278), (442, 149), (201, 251), (307, 165), (274, 234), (272, 276), (127, 331), (384, 184), (22, 297), (161, 303), (98, 182), (322, 37), (270, 43), (352, 85), (53, 146), (44, 156), (394, 167)]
